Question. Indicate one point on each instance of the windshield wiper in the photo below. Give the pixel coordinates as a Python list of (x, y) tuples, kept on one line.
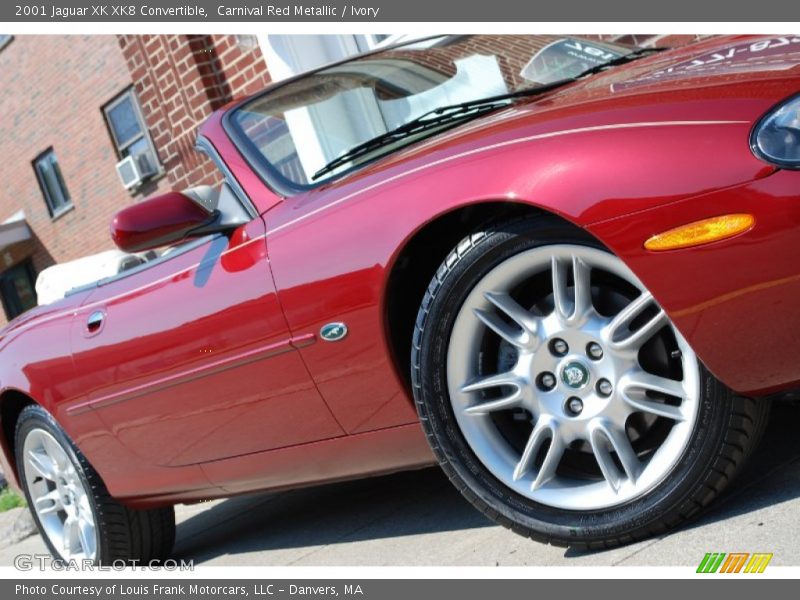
[(430, 120), (455, 113)]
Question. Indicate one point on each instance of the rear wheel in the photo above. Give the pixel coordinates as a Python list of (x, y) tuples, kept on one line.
[(75, 515), (561, 400)]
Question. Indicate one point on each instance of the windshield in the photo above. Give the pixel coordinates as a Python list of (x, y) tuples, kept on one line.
[(297, 129)]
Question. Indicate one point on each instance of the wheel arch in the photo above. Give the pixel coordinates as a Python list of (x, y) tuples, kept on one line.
[(419, 256)]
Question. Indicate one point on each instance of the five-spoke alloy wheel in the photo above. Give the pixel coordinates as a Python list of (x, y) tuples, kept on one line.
[(559, 397)]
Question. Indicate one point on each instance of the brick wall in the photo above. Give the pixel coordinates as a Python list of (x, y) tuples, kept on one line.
[(52, 89), (180, 80)]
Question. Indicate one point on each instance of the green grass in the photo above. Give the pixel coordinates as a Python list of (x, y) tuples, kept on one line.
[(9, 500)]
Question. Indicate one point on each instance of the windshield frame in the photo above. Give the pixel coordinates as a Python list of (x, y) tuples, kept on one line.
[(286, 187)]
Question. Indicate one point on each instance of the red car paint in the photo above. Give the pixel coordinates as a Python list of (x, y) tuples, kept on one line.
[(132, 231), (207, 376)]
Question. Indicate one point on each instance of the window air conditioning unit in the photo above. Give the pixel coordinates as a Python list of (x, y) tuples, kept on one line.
[(133, 170)]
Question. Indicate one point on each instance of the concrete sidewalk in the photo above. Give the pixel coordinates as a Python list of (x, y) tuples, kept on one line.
[(419, 519)]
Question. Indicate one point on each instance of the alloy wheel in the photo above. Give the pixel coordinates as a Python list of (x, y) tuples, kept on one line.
[(59, 497), (568, 381)]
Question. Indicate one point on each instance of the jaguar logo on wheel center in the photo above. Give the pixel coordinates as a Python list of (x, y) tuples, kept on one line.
[(575, 375)]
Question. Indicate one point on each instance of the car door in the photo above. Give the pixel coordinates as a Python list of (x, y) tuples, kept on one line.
[(190, 359)]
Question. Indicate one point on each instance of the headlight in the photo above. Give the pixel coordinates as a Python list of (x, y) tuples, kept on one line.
[(776, 137)]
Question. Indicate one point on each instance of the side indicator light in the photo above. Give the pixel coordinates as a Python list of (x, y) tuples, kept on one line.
[(701, 232)]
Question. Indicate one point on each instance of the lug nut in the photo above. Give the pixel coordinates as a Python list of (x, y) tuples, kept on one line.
[(559, 347), (604, 387), (575, 405), (547, 381), (594, 351)]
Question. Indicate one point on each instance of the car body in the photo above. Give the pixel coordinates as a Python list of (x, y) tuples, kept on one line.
[(205, 374)]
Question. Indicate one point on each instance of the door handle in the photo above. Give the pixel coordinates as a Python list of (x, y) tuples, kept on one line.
[(95, 321)]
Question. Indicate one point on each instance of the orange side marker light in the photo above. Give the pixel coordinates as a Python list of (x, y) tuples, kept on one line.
[(701, 232)]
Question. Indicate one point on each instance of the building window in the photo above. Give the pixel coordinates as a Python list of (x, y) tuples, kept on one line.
[(131, 138), (18, 289), (52, 183)]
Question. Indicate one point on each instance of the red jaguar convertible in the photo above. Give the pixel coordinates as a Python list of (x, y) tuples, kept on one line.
[(568, 271)]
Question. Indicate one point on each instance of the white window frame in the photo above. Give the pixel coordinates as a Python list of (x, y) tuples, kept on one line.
[(144, 132)]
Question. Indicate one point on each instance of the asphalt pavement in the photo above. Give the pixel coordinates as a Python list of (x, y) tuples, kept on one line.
[(417, 518)]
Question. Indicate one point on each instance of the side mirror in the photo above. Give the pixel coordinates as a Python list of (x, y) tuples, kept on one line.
[(158, 221), (175, 216)]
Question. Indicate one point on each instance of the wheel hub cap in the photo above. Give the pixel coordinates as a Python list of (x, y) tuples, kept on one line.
[(575, 375)]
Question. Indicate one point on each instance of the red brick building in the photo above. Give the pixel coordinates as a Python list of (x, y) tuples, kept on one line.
[(179, 81), (72, 107)]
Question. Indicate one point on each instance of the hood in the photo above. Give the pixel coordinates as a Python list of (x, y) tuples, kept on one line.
[(702, 68)]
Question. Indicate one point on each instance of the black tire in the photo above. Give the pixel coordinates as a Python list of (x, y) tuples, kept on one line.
[(726, 431), (124, 534)]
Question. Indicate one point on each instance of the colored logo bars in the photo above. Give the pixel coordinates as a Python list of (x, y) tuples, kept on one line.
[(735, 562)]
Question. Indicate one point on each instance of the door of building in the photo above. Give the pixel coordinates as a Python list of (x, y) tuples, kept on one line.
[(18, 289)]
